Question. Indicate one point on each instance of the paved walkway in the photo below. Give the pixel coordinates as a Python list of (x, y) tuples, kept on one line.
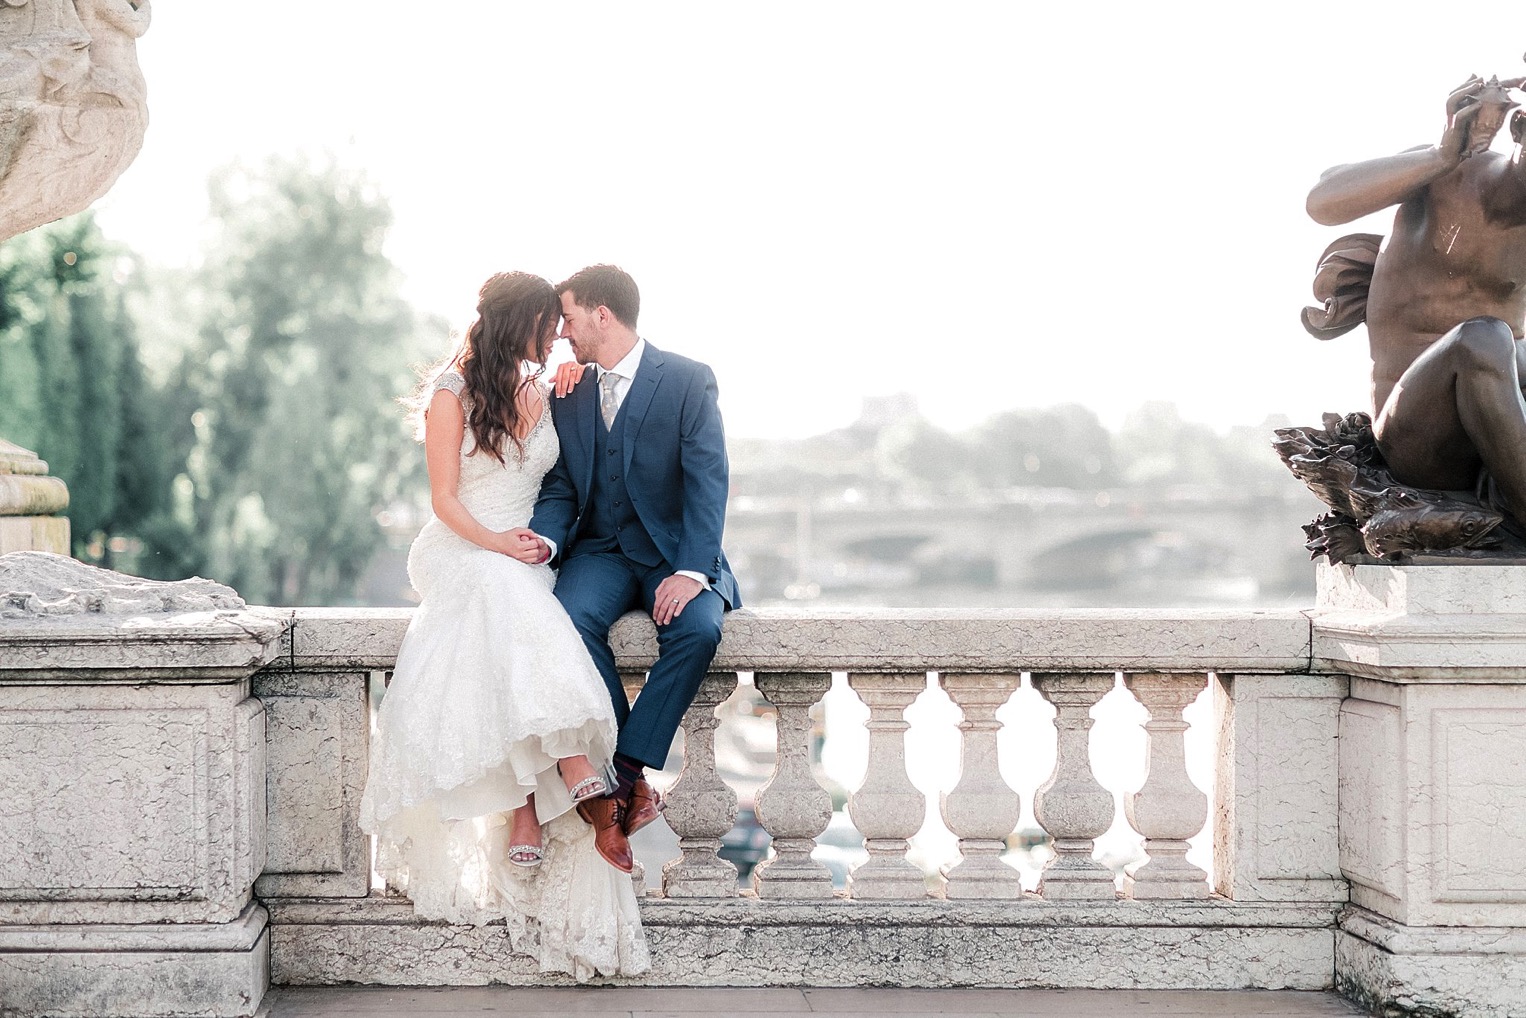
[(595, 1002)]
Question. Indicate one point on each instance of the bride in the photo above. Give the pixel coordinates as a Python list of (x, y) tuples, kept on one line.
[(496, 722)]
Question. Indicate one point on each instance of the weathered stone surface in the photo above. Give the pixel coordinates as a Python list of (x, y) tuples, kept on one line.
[(34, 533), (180, 970), (701, 807), (887, 809), (1422, 623), (1276, 820), (38, 584), (1433, 796), (127, 804), (1169, 808), (1401, 970), (981, 809), (26, 495), (746, 942), (73, 106), (792, 807), (317, 738), (896, 640), (1071, 806)]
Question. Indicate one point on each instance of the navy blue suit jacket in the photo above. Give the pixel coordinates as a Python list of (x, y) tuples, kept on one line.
[(675, 465)]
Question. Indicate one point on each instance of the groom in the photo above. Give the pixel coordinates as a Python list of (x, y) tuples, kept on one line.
[(632, 515)]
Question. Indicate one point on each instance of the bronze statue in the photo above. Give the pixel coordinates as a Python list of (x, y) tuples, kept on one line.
[(1445, 305)]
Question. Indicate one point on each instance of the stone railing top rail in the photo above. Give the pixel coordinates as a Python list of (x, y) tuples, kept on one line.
[(888, 640)]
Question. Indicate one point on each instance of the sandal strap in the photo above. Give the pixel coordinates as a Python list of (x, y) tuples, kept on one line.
[(535, 850), (584, 789)]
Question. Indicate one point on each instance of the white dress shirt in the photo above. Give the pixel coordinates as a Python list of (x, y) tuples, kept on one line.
[(626, 369)]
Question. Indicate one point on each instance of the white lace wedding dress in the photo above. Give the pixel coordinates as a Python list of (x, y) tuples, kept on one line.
[(492, 686)]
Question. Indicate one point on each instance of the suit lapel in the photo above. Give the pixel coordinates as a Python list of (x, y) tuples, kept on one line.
[(639, 400)]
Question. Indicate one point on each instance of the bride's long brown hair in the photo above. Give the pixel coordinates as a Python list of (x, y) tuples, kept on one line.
[(514, 310)]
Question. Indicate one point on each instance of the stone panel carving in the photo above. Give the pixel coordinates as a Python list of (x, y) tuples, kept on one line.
[(317, 734), (73, 104), (1371, 796), (128, 804), (1275, 834), (1478, 759)]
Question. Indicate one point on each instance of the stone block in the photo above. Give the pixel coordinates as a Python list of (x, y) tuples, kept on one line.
[(1275, 822), (86, 971), (1395, 969), (124, 804), (317, 738), (840, 942), (34, 533), (1458, 623), (894, 640), (1433, 801)]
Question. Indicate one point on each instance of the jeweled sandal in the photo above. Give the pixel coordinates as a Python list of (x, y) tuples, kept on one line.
[(532, 854), (588, 788)]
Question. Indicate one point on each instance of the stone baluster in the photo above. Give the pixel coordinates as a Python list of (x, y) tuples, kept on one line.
[(981, 809), (1169, 808), (632, 683), (1071, 806), (887, 809), (792, 807), (700, 806)]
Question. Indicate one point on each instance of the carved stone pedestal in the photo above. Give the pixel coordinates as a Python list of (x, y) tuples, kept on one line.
[(1432, 769), (29, 500), (133, 821)]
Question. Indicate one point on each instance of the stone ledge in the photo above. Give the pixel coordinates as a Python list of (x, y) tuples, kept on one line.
[(1398, 970), (744, 942), (239, 935), (1397, 938), (1030, 910), (196, 647), (167, 971), (887, 640)]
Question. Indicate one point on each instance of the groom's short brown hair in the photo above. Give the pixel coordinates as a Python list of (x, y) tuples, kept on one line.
[(606, 285)]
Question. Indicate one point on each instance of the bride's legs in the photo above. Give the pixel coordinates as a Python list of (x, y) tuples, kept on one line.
[(580, 777), (525, 834)]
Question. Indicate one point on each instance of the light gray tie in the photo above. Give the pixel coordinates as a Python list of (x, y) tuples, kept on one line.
[(608, 405)]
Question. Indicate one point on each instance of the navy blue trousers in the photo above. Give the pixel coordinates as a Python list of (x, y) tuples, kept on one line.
[(596, 589)]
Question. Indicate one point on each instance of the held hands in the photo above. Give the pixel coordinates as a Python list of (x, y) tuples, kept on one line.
[(567, 378), (522, 544), (672, 595)]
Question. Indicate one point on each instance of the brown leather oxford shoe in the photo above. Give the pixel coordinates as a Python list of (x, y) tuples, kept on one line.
[(607, 817), (645, 806)]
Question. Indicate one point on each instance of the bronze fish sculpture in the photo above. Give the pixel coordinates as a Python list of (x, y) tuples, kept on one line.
[(1409, 524)]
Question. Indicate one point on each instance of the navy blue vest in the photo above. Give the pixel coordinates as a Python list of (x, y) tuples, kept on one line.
[(610, 521)]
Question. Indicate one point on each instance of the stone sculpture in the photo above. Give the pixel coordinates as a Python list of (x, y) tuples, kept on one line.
[(73, 106), (1437, 467), (36, 584)]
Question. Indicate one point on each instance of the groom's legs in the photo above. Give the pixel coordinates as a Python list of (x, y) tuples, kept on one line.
[(596, 589), (685, 648)]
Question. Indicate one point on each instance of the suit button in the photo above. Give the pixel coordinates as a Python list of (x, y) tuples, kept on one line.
[(617, 503), (612, 452), (614, 477)]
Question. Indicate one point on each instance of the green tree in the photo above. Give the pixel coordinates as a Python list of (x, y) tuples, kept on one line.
[(71, 382), (296, 442)]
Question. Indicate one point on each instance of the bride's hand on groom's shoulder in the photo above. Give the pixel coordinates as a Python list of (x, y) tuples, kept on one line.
[(522, 544), (567, 377)]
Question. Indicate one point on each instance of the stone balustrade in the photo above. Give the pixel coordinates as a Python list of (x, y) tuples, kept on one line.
[(1363, 804)]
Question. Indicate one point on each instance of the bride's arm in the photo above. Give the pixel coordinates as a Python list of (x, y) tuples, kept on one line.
[(444, 427)]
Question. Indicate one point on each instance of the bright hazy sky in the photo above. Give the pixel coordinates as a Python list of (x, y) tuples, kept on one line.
[(988, 205)]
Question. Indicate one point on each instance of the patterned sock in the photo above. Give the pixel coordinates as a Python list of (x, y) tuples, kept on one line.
[(627, 773)]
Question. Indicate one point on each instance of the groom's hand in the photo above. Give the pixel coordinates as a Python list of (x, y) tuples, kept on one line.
[(523, 544), (672, 595)]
